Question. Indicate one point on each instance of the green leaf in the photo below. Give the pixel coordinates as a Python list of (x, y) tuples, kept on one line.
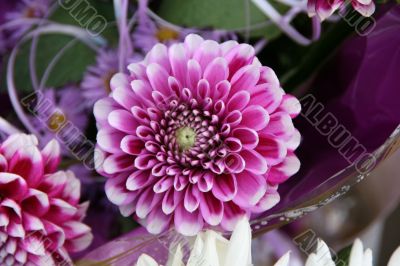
[(71, 65), (219, 14), (314, 56), (343, 257), (68, 69)]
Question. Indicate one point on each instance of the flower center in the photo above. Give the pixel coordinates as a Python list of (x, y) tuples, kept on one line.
[(166, 34), (30, 12), (106, 79), (56, 120), (185, 137)]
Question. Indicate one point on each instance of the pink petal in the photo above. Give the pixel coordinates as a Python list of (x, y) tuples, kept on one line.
[(239, 56), (211, 208), (119, 80), (171, 199), (269, 200), (13, 207), (294, 140), (233, 119), (142, 91), (158, 78), (51, 156), (364, 9), (238, 101), (272, 149), (281, 172), (280, 125), (248, 137), (15, 230), (137, 180), (245, 79), (191, 200), (157, 221), (12, 185), (187, 223), (123, 121), (79, 243), (60, 211), (117, 163), (290, 105), (3, 164), (159, 55), (268, 76), (163, 184), (28, 163), (102, 108), (232, 214), (206, 182), (146, 202), (145, 161), (225, 187), (255, 163), (206, 53), (216, 71), (132, 145), (32, 223), (192, 43), (117, 193), (234, 163), (33, 245), (194, 74), (251, 188), (178, 61), (36, 202), (233, 144), (267, 96), (255, 117), (109, 139), (125, 97)]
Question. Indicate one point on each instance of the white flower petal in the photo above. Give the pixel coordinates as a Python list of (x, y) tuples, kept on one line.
[(176, 259), (146, 260), (395, 259), (367, 258), (239, 249), (356, 254), (284, 261)]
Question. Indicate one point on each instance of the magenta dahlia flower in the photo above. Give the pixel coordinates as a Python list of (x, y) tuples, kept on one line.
[(40, 214), (325, 8), (197, 135)]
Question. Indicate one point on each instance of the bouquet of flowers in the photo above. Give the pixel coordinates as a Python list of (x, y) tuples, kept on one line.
[(151, 132)]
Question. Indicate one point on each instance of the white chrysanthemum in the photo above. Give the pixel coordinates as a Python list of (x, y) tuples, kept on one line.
[(210, 248)]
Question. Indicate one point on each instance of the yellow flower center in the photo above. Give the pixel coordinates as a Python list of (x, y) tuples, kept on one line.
[(56, 120), (106, 80), (185, 137), (166, 34)]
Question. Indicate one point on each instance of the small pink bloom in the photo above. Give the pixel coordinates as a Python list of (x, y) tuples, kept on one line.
[(325, 8), (196, 135), (40, 214)]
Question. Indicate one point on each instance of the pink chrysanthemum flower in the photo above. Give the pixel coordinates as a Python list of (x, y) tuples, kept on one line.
[(40, 214), (325, 8), (197, 135)]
